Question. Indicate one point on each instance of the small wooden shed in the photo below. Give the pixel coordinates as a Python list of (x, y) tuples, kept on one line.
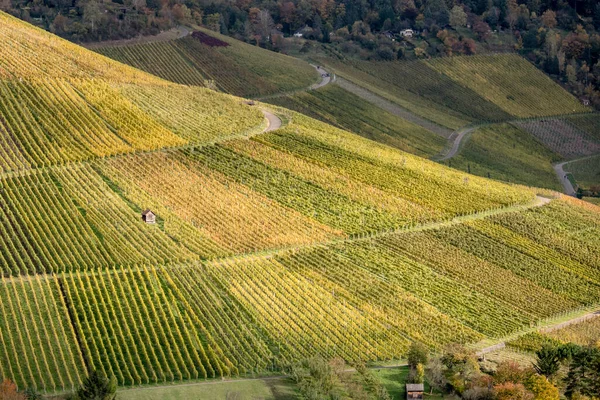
[(149, 217), (414, 391)]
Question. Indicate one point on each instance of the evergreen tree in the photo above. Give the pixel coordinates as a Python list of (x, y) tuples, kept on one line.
[(97, 387)]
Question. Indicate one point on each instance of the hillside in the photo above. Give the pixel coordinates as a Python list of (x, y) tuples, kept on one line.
[(269, 246), (206, 57)]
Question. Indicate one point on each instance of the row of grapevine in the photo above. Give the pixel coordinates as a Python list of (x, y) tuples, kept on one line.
[(589, 123), (161, 59), (131, 328), (239, 69), (570, 231), (39, 345), (197, 115), (562, 137), (345, 110), (231, 215), (28, 52), (413, 102), (363, 299), (583, 333), (510, 82), (69, 219), (228, 76), (464, 257), (433, 84), (50, 121), (414, 179)]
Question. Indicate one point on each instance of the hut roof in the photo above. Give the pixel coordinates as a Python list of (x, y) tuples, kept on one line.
[(415, 387)]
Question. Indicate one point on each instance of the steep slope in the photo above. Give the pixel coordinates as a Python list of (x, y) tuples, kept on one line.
[(61, 103), (266, 249), (208, 58)]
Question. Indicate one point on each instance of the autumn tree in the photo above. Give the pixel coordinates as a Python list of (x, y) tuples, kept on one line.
[(8, 391), (549, 19), (458, 17)]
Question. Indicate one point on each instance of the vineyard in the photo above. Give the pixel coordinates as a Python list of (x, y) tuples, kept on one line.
[(511, 83), (562, 137), (267, 247), (583, 333), (586, 172), (345, 110), (233, 66), (506, 153)]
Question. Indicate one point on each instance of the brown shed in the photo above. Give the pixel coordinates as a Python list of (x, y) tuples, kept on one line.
[(414, 391), (148, 217)]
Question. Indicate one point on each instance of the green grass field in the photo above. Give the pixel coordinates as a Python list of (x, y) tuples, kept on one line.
[(259, 389), (509, 154), (394, 380)]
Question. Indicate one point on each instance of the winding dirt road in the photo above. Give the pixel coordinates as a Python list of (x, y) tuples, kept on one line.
[(274, 121), (562, 177), (326, 78), (456, 139)]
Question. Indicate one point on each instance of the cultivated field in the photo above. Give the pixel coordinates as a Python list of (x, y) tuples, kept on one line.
[(236, 67), (338, 107), (506, 153), (511, 83), (267, 248), (563, 137)]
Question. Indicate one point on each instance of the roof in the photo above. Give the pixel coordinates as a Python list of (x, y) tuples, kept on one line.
[(415, 387), (147, 211)]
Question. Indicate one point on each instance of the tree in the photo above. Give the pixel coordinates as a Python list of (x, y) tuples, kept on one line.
[(547, 361), (435, 374), (8, 391), (417, 354), (97, 387), (510, 371), (482, 29), (91, 13), (597, 16), (549, 19), (541, 388), (512, 391), (584, 373), (458, 17)]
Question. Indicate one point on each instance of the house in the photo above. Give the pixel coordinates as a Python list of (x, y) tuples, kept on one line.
[(389, 34), (585, 101), (414, 391), (407, 33), (148, 217), (303, 31)]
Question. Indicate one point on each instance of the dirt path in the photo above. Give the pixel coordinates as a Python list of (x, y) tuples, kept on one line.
[(393, 108), (274, 121), (172, 34), (551, 328), (562, 177), (456, 139), (326, 78)]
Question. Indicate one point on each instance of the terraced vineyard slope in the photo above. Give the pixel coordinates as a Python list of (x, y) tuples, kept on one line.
[(207, 58), (267, 245)]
